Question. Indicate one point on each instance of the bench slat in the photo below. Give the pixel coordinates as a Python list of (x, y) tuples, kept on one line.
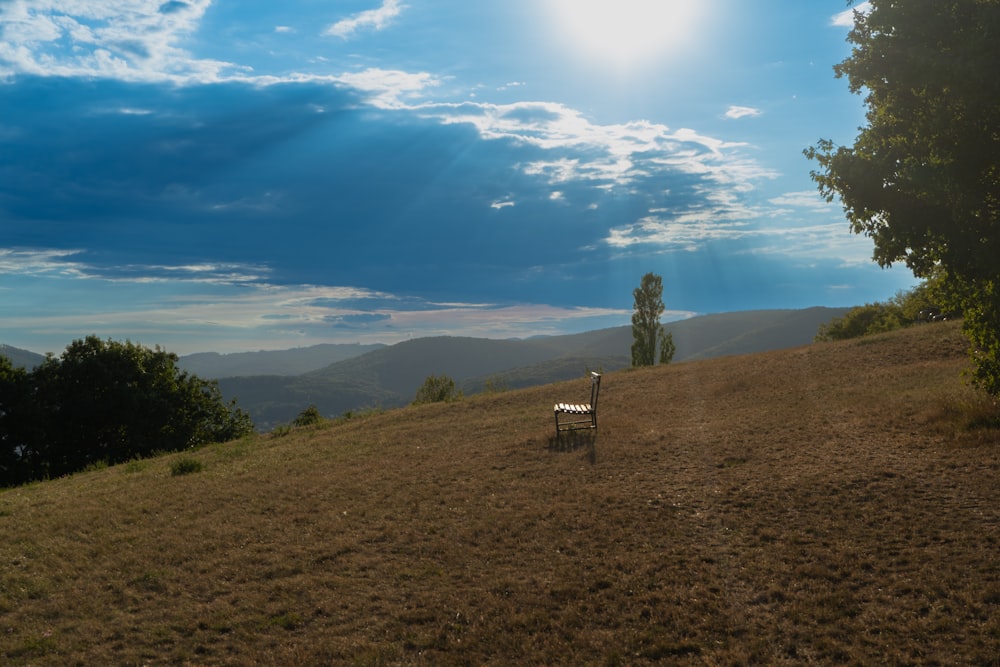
[(589, 409), (573, 408)]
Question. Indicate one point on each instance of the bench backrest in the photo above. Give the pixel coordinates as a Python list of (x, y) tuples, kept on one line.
[(595, 389)]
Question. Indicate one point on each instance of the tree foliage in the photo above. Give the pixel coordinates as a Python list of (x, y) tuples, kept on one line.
[(921, 304), (647, 333), (437, 389), (871, 318), (923, 177), (105, 401)]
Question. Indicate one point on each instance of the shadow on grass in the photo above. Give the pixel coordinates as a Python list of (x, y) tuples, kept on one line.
[(571, 441)]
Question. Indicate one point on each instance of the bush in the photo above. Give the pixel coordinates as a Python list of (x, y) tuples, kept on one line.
[(308, 417), (495, 385), (904, 309), (437, 389), (862, 321), (185, 467)]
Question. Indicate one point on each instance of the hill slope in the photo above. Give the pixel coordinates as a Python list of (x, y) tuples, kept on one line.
[(21, 358), (817, 505), (271, 362), (390, 376)]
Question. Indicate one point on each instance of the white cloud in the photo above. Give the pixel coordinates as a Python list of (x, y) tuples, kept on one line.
[(736, 112), (845, 19), (196, 307), (130, 40), (66, 263), (375, 19), (803, 199), (140, 41), (31, 261), (283, 29), (615, 155), (135, 111), (388, 88), (720, 216), (812, 242)]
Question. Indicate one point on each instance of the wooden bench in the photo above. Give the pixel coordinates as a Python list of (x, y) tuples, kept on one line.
[(574, 410)]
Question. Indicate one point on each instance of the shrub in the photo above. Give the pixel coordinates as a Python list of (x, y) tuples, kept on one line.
[(308, 417), (437, 389), (862, 321), (904, 309), (495, 385), (185, 467)]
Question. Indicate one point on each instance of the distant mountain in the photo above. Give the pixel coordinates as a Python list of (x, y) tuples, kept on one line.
[(21, 358), (390, 376), (279, 362), (276, 386)]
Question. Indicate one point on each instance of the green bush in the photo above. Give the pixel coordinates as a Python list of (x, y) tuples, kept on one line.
[(186, 467), (495, 385), (308, 417), (862, 321), (904, 309), (437, 389)]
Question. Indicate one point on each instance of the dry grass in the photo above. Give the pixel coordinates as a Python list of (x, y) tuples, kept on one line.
[(820, 505)]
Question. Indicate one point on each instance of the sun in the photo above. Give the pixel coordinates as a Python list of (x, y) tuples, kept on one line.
[(626, 33)]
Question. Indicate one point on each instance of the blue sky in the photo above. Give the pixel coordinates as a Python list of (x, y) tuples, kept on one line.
[(222, 175)]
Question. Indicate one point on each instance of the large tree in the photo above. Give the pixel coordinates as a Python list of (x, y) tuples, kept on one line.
[(923, 177), (13, 390), (106, 401), (647, 331)]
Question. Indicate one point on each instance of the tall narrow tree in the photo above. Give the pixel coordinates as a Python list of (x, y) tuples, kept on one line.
[(647, 332)]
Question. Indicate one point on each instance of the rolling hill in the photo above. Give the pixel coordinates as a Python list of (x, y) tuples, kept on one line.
[(834, 503), (21, 358), (271, 362), (275, 386), (390, 376)]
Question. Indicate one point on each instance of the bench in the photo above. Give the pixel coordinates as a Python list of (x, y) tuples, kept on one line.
[(574, 411)]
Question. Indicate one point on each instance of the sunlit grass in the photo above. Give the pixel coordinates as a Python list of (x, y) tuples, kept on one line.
[(823, 505)]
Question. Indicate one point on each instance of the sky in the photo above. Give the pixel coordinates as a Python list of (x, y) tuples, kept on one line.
[(223, 175)]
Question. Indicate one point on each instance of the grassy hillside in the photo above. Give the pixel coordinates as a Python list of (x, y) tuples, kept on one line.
[(390, 377), (821, 505)]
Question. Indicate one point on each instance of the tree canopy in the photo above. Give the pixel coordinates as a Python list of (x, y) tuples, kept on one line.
[(923, 176), (646, 328), (105, 401)]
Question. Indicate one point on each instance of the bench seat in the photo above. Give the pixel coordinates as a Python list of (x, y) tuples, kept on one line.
[(579, 409)]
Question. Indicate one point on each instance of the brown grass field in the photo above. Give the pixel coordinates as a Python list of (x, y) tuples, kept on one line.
[(829, 504)]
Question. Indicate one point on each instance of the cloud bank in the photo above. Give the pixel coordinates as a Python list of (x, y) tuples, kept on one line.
[(149, 188)]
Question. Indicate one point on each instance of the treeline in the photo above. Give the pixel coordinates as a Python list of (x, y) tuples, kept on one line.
[(921, 304), (105, 402)]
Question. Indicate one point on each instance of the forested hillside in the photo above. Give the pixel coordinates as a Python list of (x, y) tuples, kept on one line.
[(274, 386), (389, 377)]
